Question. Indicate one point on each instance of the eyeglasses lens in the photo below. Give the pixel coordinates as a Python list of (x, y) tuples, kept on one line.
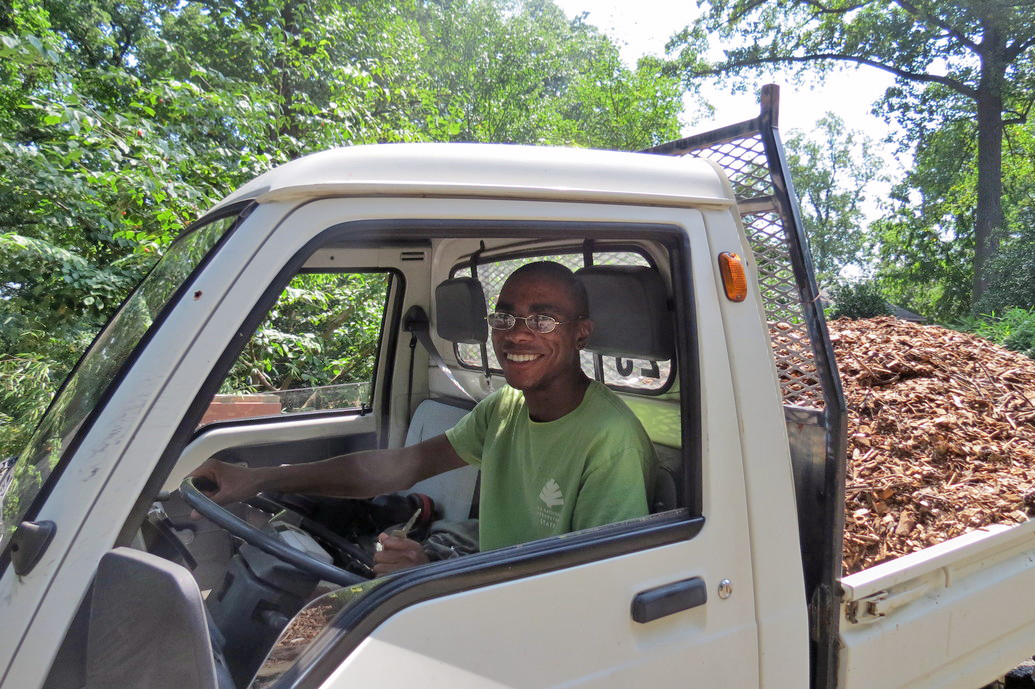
[(500, 321), (541, 324)]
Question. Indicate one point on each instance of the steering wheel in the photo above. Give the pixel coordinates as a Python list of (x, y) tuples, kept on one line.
[(270, 544)]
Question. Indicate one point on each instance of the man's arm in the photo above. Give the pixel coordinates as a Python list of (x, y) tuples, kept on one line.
[(356, 475)]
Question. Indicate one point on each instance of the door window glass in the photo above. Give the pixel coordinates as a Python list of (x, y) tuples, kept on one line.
[(316, 349), (95, 373)]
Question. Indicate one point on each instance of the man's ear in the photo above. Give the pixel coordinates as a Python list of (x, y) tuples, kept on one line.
[(583, 330)]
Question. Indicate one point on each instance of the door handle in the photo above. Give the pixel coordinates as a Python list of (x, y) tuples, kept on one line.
[(669, 599)]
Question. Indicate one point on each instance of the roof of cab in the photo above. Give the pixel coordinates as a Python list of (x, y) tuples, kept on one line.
[(491, 170)]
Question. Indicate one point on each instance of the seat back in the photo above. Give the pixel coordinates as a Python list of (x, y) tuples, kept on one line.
[(459, 317), (460, 311), (454, 490), (631, 312), (148, 628), (633, 319)]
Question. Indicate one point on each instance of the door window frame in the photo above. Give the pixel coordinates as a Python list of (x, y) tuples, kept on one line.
[(443, 578), (410, 587)]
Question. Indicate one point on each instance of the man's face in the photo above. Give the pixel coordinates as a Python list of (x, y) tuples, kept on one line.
[(531, 360)]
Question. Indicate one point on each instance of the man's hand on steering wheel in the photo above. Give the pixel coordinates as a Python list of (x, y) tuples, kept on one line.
[(225, 483)]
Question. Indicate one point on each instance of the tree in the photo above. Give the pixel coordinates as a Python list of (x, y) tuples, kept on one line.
[(928, 265), (831, 169), (1012, 272), (958, 60), (925, 245), (519, 71)]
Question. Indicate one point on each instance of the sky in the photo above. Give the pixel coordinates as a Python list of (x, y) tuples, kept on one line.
[(641, 27)]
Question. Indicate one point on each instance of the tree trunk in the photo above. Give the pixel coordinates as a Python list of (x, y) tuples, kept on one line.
[(287, 124), (989, 212)]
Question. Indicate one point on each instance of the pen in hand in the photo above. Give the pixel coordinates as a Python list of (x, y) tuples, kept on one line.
[(403, 532)]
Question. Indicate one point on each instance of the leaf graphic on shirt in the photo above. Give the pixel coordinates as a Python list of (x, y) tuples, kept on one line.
[(551, 494)]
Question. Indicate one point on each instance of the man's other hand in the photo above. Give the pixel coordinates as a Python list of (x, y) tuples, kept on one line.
[(395, 553)]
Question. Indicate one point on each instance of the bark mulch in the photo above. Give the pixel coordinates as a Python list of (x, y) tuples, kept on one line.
[(941, 436)]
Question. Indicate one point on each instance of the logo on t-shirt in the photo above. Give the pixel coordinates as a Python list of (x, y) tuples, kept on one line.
[(551, 494)]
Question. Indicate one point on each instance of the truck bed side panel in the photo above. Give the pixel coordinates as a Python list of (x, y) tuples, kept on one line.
[(955, 615)]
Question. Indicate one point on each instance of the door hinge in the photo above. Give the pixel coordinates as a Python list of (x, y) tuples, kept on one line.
[(877, 606)]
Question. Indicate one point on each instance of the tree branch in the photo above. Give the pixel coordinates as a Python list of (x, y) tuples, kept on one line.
[(734, 18), (823, 9), (1021, 115), (912, 9), (953, 84), (1017, 49)]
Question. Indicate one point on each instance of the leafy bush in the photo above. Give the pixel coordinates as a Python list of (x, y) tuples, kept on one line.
[(858, 300), (1015, 329), (1011, 279)]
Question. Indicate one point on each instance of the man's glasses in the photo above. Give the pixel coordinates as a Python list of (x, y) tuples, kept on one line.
[(537, 322)]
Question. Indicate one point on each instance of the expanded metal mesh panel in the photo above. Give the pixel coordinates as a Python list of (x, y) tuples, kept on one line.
[(643, 375), (792, 346), (746, 166)]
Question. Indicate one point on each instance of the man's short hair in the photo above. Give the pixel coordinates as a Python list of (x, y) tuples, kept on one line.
[(563, 275)]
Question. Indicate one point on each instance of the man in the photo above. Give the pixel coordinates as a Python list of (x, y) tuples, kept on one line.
[(558, 452)]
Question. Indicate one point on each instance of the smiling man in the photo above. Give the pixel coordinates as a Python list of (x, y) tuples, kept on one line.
[(558, 452)]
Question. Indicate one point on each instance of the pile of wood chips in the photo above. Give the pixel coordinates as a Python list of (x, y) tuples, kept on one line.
[(941, 436)]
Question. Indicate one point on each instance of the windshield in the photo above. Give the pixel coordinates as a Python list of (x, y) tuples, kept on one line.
[(96, 372)]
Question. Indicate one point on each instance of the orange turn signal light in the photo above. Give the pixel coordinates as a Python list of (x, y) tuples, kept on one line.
[(734, 278)]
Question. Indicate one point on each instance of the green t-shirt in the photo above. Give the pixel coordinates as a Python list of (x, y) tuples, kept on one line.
[(590, 467)]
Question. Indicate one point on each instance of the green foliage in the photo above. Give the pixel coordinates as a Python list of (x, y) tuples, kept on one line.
[(858, 300), (1015, 329), (959, 65), (831, 168), (1012, 272), (121, 122), (22, 404), (520, 72), (610, 106), (1012, 279), (929, 266), (927, 242)]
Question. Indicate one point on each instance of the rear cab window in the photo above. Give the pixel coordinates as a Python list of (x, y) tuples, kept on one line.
[(640, 375)]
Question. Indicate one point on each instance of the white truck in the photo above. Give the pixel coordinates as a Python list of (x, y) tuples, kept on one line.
[(708, 325)]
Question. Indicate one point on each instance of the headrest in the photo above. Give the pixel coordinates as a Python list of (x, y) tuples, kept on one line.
[(630, 309), (460, 311)]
